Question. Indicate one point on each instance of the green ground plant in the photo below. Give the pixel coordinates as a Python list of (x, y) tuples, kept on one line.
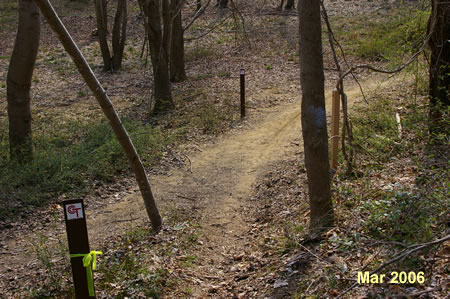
[(134, 276), (397, 35), (69, 156), (212, 119), (399, 212), (55, 261)]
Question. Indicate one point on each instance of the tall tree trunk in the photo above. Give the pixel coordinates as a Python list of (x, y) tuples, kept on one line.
[(19, 77), (439, 43), (102, 27), (177, 70), (119, 34), (159, 57), (167, 25), (107, 108), (314, 122)]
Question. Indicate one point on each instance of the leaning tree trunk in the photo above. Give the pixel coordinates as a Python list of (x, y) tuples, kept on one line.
[(19, 77), (177, 70), (314, 122), (159, 57), (107, 108), (439, 43), (119, 34)]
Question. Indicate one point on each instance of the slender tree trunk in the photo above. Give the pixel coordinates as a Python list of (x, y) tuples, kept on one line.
[(119, 34), (159, 57), (167, 25), (19, 77), (439, 43), (102, 27), (177, 70), (199, 4), (107, 108), (314, 123)]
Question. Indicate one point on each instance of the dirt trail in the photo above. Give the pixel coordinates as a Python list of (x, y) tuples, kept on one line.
[(220, 182), (219, 185)]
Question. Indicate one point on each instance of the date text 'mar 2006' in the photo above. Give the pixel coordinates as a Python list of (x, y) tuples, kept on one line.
[(396, 277)]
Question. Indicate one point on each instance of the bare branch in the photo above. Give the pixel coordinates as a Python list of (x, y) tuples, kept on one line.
[(400, 256), (198, 13), (210, 30)]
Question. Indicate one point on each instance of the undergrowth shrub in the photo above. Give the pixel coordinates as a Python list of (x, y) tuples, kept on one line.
[(70, 156), (375, 129), (400, 216), (212, 119), (397, 35), (398, 210)]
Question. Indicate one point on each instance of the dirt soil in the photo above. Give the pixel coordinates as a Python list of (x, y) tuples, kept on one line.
[(215, 186)]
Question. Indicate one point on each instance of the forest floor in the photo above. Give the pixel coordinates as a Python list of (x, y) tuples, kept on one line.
[(232, 192)]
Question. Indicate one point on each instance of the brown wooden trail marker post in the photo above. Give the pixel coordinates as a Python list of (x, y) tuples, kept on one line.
[(81, 258), (242, 93), (334, 128)]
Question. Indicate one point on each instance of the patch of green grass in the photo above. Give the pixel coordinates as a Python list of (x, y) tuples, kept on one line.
[(399, 33), (69, 157), (8, 14), (133, 275), (212, 119), (224, 74), (375, 129), (199, 52), (189, 261), (399, 216), (400, 211), (55, 260)]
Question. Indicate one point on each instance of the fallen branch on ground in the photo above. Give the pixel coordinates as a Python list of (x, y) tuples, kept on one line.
[(400, 256)]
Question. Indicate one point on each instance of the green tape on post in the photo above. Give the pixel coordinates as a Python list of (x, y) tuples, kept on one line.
[(90, 263)]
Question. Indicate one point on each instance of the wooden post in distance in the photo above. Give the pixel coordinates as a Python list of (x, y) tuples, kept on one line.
[(242, 76)]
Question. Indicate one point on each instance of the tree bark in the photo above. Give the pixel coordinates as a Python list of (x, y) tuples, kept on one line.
[(222, 3), (159, 57), (280, 7), (20, 73), (314, 123), (289, 4), (102, 27), (177, 70), (439, 43), (167, 25), (107, 108), (119, 34), (199, 4)]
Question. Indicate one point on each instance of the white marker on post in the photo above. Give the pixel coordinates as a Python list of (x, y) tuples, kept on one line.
[(74, 211)]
